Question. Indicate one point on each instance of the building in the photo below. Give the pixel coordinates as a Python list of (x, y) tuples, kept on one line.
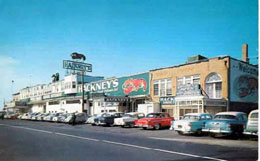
[(206, 85)]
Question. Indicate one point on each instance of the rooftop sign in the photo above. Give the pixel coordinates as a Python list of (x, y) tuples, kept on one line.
[(68, 64)]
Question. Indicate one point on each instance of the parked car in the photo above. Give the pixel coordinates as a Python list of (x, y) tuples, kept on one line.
[(90, 120), (128, 119), (191, 123), (154, 121), (25, 116), (80, 118), (41, 116), (12, 115), (107, 119), (226, 123), (31, 115), (252, 123), (34, 117), (59, 118), (50, 116), (20, 116)]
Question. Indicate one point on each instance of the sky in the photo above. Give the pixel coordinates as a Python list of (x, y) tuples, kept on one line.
[(118, 37)]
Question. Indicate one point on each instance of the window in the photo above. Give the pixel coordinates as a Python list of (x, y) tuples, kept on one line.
[(162, 87), (214, 86), (193, 79), (73, 84)]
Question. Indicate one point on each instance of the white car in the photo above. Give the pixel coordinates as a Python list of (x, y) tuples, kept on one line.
[(25, 116), (59, 118), (91, 119), (191, 123), (128, 119)]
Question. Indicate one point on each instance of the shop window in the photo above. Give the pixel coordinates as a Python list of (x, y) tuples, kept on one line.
[(214, 86)]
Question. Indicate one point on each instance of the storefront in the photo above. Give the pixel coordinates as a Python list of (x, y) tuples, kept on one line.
[(121, 94)]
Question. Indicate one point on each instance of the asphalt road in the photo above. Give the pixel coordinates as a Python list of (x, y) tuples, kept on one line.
[(28, 141)]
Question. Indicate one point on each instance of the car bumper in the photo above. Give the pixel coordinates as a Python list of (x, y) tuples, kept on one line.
[(216, 131), (250, 133), (145, 126)]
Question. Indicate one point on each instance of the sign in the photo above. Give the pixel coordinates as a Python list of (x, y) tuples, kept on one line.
[(215, 102), (243, 83), (68, 64), (129, 85), (116, 99), (189, 90), (104, 86), (97, 95), (170, 100)]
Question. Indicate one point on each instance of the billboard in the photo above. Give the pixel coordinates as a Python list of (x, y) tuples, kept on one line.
[(123, 86), (243, 84)]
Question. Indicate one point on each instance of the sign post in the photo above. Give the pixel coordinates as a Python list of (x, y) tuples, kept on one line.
[(79, 66)]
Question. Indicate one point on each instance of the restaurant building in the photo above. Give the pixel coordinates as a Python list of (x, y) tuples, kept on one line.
[(206, 85)]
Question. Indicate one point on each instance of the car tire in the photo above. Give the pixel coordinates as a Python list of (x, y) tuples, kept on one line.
[(180, 132), (157, 126), (199, 132), (212, 135), (144, 128)]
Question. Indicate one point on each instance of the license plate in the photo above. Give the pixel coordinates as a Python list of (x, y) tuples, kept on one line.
[(179, 126)]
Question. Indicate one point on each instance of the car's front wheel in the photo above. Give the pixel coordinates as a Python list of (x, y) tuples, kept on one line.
[(157, 126)]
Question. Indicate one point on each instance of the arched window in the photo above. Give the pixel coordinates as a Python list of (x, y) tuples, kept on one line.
[(214, 86)]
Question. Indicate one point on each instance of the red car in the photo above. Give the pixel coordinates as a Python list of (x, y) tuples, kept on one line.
[(155, 121)]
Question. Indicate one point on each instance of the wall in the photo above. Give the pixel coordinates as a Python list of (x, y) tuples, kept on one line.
[(217, 65)]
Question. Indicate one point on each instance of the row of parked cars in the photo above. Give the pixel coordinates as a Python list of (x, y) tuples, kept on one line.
[(54, 117), (223, 123)]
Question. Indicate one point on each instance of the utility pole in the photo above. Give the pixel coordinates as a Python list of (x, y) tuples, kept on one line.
[(82, 79)]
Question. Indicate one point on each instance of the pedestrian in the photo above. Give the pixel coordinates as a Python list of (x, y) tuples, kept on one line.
[(73, 119)]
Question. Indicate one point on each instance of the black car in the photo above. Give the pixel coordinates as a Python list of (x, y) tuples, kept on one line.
[(107, 119)]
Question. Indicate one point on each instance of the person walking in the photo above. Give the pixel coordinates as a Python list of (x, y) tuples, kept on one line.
[(73, 119)]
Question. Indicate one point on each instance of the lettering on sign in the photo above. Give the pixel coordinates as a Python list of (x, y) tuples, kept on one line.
[(116, 99), (189, 90), (167, 100), (67, 64), (103, 86), (248, 69)]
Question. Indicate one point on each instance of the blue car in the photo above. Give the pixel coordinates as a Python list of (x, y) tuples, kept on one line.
[(191, 123), (226, 123)]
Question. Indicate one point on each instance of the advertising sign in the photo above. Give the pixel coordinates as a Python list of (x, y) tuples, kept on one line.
[(243, 82), (170, 100), (189, 90), (73, 65), (123, 86)]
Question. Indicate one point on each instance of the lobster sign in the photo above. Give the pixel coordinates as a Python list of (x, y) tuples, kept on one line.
[(133, 85)]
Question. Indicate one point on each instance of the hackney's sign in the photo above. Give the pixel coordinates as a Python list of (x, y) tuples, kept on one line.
[(128, 85), (73, 65)]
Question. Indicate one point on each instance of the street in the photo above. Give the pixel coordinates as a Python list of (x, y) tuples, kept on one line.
[(30, 140)]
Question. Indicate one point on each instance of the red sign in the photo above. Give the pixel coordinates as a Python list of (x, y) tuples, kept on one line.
[(133, 85)]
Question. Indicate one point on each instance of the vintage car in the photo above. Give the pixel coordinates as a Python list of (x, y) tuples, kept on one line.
[(107, 119), (60, 118), (90, 120), (25, 116), (252, 124), (191, 123), (155, 121), (12, 115), (41, 116), (128, 119), (50, 116), (80, 118), (226, 123), (34, 117)]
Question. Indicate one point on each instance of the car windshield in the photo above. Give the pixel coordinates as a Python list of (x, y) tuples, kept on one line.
[(191, 117), (254, 115), (153, 115), (225, 117), (127, 115)]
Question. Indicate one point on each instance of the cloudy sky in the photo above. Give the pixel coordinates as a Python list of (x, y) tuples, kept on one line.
[(117, 37)]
